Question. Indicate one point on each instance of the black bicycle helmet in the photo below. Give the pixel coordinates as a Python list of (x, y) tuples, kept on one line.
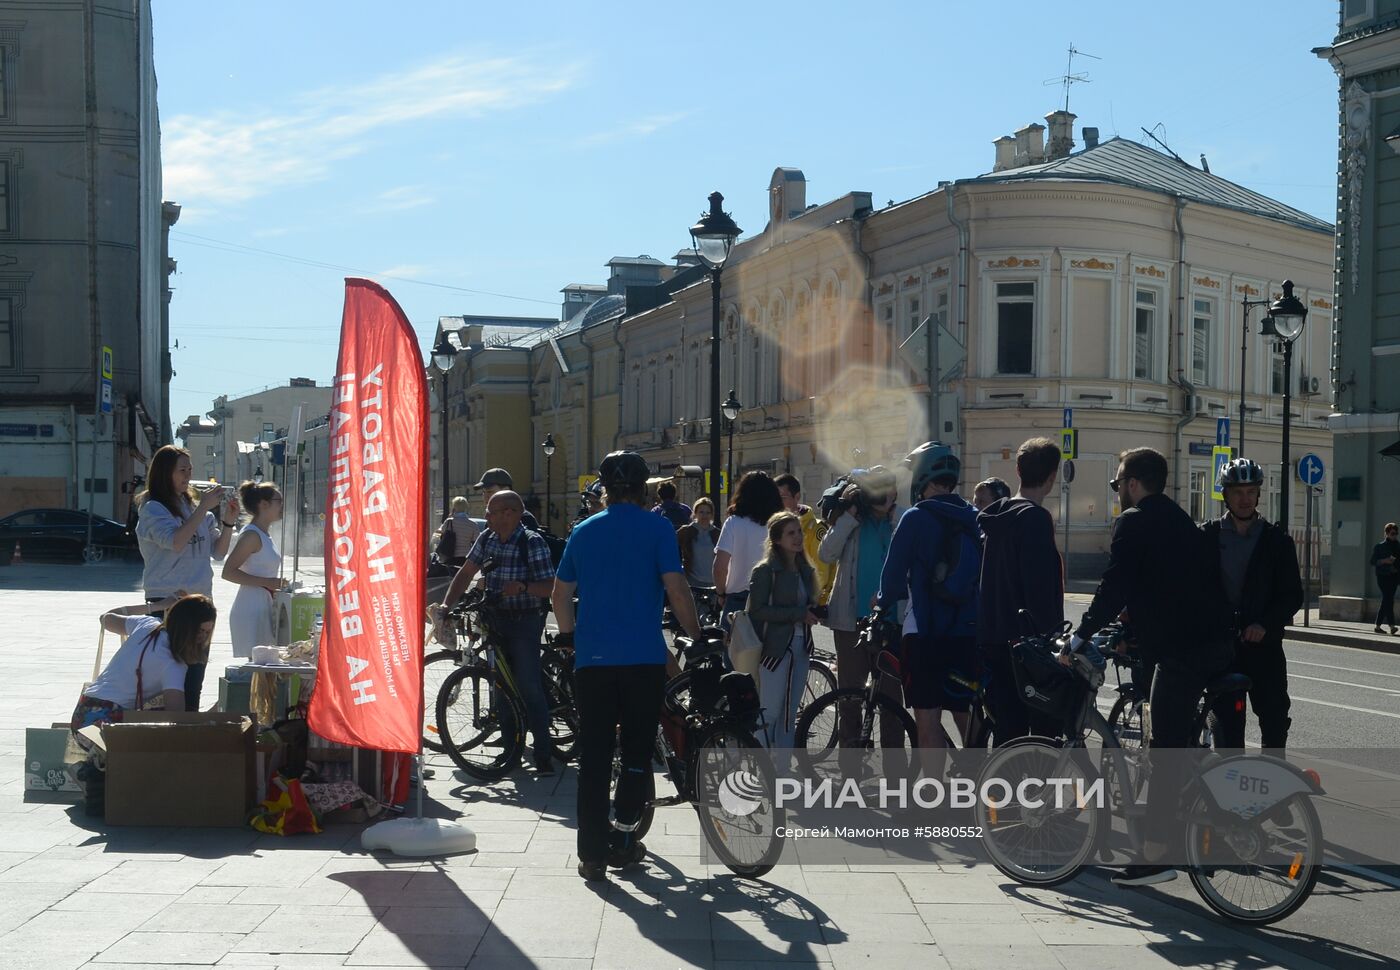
[(1240, 471), (929, 462), (623, 469)]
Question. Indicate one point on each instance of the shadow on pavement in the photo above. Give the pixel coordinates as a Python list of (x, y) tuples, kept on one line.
[(116, 577), (1188, 931)]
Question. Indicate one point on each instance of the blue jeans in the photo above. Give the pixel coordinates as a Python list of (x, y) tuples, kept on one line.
[(521, 633), (733, 603)]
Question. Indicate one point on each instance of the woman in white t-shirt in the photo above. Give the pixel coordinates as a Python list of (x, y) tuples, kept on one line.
[(151, 664), (742, 538)]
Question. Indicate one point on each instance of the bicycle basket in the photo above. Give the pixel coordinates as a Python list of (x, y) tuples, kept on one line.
[(1041, 682), (705, 691)]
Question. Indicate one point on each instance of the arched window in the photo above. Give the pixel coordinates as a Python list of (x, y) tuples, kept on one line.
[(776, 332)]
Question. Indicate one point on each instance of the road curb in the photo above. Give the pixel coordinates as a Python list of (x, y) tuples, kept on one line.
[(1332, 638)]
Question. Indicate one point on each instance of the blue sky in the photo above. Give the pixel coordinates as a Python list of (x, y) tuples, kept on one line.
[(509, 149)]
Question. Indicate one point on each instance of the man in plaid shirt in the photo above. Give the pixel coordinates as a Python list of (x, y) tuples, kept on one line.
[(523, 575)]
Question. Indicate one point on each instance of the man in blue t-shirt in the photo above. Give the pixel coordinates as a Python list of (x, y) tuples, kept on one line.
[(621, 561)]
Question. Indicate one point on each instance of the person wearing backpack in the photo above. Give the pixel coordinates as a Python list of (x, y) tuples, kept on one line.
[(1021, 570), (934, 561)]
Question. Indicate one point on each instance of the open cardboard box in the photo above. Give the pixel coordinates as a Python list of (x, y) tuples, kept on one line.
[(172, 768)]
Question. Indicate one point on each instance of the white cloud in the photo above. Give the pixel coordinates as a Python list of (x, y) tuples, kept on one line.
[(404, 271), (399, 199), (225, 158), (633, 129)]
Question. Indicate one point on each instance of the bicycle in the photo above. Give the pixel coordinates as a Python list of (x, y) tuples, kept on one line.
[(1251, 859), (718, 767), (821, 677), (480, 717)]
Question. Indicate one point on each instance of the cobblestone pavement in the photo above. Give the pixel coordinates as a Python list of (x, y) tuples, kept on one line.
[(77, 893)]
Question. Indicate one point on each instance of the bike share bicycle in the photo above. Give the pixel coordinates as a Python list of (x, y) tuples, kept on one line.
[(1252, 839)]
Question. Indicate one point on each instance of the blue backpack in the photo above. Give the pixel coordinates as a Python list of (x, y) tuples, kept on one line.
[(958, 571)]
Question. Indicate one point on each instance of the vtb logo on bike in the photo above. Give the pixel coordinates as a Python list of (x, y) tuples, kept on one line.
[(1249, 783)]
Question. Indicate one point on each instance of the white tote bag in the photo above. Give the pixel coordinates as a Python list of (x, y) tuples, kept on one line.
[(745, 648)]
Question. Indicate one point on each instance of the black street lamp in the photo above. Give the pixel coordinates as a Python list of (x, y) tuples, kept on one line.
[(444, 356), (713, 237), (1285, 323), (548, 447), (731, 409)]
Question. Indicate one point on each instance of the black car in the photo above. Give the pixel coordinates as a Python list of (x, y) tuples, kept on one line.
[(63, 534)]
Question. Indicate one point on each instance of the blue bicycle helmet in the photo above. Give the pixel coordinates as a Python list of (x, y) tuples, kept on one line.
[(930, 462)]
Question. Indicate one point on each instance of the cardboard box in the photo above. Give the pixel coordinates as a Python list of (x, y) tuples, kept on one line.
[(233, 696), (50, 757), (180, 769)]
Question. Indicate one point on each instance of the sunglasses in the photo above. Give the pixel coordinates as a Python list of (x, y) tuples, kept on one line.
[(1113, 483)]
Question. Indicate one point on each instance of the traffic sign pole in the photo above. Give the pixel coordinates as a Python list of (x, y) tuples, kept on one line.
[(1307, 554)]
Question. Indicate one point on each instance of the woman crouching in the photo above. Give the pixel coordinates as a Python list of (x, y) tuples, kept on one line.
[(148, 670)]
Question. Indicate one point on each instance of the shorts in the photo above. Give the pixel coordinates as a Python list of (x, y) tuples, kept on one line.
[(929, 666)]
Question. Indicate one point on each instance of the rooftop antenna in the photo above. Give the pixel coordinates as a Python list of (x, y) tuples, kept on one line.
[(1069, 77), (1165, 147)]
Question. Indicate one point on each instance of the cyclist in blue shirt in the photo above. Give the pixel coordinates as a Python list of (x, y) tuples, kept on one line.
[(622, 562)]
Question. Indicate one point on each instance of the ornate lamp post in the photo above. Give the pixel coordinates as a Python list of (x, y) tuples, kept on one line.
[(713, 237), (731, 409), (1285, 323), (548, 447), (444, 356)]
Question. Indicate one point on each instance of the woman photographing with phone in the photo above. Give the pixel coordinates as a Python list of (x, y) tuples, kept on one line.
[(253, 566), (179, 533)]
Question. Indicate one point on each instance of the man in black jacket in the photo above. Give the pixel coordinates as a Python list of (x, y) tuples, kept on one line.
[(1258, 570), (1021, 570), (1160, 570)]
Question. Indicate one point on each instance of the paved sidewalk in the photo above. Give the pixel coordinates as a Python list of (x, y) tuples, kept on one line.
[(76, 894)]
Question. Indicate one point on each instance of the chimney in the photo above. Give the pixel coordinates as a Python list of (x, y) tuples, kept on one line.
[(1030, 145), (1091, 138), (787, 195), (1006, 153), (1061, 134)]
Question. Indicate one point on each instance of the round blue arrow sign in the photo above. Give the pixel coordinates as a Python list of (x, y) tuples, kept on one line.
[(1310, 469)]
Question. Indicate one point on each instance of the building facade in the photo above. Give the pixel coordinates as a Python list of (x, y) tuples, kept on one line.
[(1365, 365), (1107, 282), (83, 255), (230, 448)]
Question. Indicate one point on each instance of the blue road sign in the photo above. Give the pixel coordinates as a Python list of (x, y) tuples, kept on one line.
[(1311, 470), (1222, 432), (1069, 418)]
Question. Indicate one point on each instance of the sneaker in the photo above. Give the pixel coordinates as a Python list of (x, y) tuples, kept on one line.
[(593, 871), (544, 766), (1144, 875), (1379, 630), (622, 857)]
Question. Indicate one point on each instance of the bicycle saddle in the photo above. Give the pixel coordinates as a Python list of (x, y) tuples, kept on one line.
[(1228, 684)]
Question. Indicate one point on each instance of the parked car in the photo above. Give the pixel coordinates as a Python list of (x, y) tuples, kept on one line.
[(63, 534)]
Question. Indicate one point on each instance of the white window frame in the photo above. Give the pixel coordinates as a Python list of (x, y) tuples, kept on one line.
[(1033, 300), (1153, 368), (1210, 317)]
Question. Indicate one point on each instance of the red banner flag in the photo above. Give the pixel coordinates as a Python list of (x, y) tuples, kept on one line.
[(369, 679)]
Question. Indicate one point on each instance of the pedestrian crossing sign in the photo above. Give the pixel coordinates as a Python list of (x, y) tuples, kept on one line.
[(1069, 443), (1220, 456), (723, 482)]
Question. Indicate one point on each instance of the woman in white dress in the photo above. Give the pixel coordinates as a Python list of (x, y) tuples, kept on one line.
[(253, 565)]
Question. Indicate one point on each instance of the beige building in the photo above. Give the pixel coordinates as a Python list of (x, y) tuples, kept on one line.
[(250, 420), (1107, 281)]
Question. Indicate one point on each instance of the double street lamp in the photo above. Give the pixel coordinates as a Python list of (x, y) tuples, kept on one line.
[(713, 237), (731, 409), (1285, 324), (444, 356), (548, 447)]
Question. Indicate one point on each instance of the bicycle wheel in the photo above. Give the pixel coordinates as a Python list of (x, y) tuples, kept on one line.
[(559, 692), (1044, 845), (1256, 871), (436, 667), (484, 740), (734, 789), (821, 680), (1127, 723), (819, 727), (649, 796)]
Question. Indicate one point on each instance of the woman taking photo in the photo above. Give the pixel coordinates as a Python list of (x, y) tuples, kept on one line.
[(782, 591), (253, 566), (742, 538), (178, 533), (151, 664)]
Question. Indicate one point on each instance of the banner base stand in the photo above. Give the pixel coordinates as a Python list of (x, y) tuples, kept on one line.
[(419, 837)]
